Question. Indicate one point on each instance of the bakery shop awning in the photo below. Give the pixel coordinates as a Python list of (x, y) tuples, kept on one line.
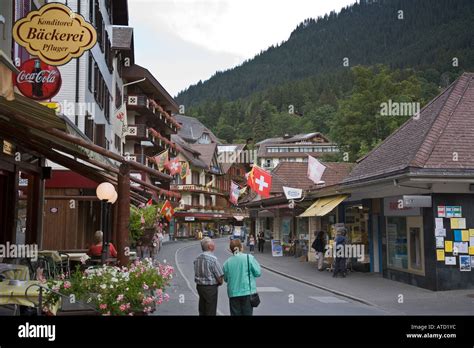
[(39, 130), (324, 206)]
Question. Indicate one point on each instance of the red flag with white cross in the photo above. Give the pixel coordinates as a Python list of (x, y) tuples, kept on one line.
[(167, 210), (174, 166), (260, 181)]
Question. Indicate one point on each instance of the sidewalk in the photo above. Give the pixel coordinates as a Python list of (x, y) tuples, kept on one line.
[(373, 289)]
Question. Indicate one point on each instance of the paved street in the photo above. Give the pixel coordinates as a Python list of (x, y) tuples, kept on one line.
[(279, 295)]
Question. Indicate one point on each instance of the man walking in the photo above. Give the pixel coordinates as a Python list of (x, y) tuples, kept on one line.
[(208, 276)]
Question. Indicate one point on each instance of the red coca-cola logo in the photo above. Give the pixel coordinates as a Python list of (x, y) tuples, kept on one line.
[(38, 80)]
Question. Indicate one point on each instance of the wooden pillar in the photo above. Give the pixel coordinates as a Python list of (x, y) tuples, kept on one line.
[(123, 216)]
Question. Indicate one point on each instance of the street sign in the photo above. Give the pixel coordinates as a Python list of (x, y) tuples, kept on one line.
[(292, 193), (37, 80), (417, 201)]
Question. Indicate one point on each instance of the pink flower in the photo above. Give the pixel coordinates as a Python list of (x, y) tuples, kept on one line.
[(167, 297), (123, 307), (119, 298), (103, 306), (67, 285), (145, 287)]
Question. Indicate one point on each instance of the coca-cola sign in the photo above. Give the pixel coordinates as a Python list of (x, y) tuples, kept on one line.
[(38, 80)]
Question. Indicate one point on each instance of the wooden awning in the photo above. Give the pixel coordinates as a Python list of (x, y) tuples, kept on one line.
[(39, 130)]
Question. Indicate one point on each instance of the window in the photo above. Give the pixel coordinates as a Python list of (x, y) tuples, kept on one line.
[(118, 97), (90, 72), (195, 200), (208, 200), (99, 24), (195, 178), (405, 243), (118, 143), (91, 11), (89, 127), (108, 53)]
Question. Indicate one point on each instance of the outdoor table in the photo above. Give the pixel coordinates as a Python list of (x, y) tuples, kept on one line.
[(15, 295), (76, 257), (53, 254), (12, 271)]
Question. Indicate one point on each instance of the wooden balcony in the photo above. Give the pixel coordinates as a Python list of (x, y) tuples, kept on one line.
[(138, 132), (139, 158)]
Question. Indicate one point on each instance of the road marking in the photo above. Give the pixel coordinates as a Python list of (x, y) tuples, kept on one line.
[(193, 290), (328, 299), (268, 289)]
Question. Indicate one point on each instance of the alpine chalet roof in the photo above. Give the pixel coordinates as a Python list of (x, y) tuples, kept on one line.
[(445, 127), (192, 129), (294, 174)]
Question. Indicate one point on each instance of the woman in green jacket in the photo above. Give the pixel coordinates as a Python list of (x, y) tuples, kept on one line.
[(237, 269)]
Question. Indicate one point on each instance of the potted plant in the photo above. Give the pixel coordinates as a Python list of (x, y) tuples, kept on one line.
[(137, 289), (142, 223)]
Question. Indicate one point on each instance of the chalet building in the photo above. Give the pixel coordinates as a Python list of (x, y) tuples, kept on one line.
[(150, 123), (411, 198), (293, 149), (205, 190)]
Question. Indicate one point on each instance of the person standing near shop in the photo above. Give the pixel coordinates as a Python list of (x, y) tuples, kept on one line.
[(240, 271), (261, 241), (208, 275), (340, 264), (319, 245), (252, 243)]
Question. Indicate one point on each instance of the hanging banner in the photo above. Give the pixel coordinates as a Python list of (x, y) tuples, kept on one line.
[(292, 193), (55, 34), (38, 80)]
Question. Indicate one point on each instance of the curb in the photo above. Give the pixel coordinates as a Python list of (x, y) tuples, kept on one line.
[(336, 292)]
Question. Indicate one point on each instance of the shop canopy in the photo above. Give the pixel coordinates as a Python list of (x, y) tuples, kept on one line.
[(38, 129), (323, 206)]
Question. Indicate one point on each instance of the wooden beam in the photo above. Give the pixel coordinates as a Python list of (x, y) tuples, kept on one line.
[(123, 212)]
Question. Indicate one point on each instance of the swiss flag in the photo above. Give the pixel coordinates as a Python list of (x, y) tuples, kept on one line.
[(167, 210), (150, 202), (174, 166), (260, 181)]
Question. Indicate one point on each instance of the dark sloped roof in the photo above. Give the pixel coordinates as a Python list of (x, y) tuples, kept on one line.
[(192, 129), (207, 152), (294, 174), (189, 153), (445, 126)]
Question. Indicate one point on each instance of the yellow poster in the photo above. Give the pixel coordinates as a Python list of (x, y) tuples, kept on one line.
[(465, 235), (471, 232), (440, 255), (454, 223), (471, 250), (448, 246)]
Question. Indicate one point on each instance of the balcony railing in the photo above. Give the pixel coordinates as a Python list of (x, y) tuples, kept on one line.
[(196, 188), (140, 158), (138, 131), (141, 101)]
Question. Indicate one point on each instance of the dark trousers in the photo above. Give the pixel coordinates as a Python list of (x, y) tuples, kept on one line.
[(207, 299), (340, 266), (260, 245), (240, 305)]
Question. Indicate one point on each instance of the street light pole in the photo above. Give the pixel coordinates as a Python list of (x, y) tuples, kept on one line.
[(107, 196)]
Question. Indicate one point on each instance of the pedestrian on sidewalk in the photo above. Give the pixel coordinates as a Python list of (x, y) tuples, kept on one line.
[(208, 275), (240, 271), (340, 264), (252, 243), (261, 241), (319, 245)]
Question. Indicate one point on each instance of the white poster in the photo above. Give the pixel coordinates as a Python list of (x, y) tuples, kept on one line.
[(461, 247), (450, 260), (440, 242), (440, 232), (462, 223), (439, 223)]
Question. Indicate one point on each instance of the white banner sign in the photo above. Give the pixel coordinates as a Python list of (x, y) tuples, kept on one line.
[(292, 193)]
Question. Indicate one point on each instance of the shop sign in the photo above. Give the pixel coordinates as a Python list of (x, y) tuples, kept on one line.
[(277, 248), (37, 80), (189, 218), (394, 206), (417, 201), (8, 148), (55, 34), (292, 193)]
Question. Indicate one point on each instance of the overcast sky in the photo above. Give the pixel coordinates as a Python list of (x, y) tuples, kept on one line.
[(184, 41)]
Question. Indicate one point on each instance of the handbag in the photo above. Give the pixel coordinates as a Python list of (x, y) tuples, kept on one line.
[(254, 298)]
